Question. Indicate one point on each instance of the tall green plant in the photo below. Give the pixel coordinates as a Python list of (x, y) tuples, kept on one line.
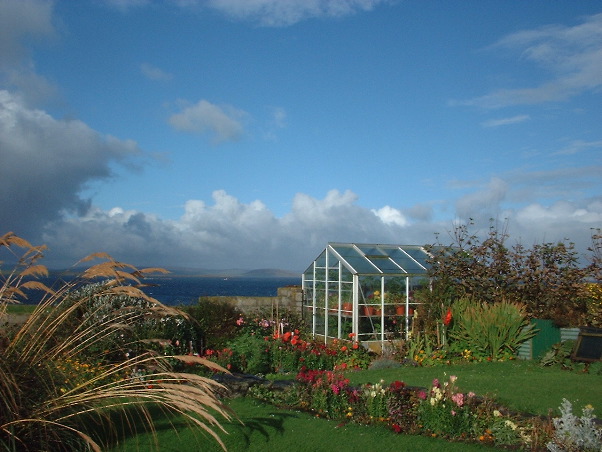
[(55, 395), (493, 330)]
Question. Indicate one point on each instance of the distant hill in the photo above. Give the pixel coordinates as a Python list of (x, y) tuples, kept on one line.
[(270, 273), (196, 272)]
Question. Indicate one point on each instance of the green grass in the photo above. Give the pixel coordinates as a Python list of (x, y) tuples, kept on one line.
[(267, 428), (20, 308), (521, 385)]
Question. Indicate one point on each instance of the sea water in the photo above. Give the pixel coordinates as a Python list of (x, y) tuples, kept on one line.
[(185, 290)]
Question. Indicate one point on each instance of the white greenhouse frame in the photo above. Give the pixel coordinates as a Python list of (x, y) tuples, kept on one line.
[(364, 291)]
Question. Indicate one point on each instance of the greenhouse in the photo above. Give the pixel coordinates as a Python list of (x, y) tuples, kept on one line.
[(364, 291)]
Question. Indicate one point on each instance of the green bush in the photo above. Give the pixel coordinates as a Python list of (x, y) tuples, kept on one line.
[(491, 330), (214, 322), (250, 354)]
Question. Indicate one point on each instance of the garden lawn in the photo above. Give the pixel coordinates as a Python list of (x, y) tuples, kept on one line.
[(520, 385), (267, 428)]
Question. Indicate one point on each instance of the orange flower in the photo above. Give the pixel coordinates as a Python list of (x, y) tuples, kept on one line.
[(448, 318)]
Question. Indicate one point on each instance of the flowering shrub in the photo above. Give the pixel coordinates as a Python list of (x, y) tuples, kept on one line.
[(260, 349), (69, 373), (375, 400), (325, 392), (402, 405), (446, 411), (442, 410), (593, 299)]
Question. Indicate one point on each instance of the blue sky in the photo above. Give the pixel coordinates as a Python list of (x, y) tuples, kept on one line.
[(249, 133)]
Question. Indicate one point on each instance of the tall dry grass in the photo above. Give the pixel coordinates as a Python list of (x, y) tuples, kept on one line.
[(55, 394)]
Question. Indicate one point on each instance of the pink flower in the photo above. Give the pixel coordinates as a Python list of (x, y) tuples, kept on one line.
[(436, 383), (240, 321), (458, 399), (422, 395), (453, 412)]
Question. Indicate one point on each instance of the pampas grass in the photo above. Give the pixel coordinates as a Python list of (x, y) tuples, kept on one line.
[(56, 393)]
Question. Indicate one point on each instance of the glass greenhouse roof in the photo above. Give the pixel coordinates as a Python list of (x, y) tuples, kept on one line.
[(376, 259)]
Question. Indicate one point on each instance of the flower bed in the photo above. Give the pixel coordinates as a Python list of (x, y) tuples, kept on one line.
[(440, 411)]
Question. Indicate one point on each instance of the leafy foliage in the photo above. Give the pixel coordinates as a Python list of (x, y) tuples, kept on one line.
[(573, 433), (490, 330), (546, 278), (214, 322)]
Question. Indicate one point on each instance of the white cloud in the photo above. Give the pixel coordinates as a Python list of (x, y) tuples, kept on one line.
[(389, 215), (224, 122), (47, 162), (571, 55), (154, 73), (487, 200), (287, 12), (230, 234), (226, 233), (579, 146), (125, 5), (505, 121)]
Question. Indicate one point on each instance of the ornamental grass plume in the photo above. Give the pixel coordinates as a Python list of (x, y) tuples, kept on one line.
[(57, 390)]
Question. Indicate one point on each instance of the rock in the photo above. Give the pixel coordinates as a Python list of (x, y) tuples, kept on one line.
[(238, 384)]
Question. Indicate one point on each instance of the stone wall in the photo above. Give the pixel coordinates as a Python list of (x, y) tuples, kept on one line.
[(289, 297)]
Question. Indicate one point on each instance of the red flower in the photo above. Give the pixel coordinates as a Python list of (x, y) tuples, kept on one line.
[(286, 336), (396, 428), (344, 348), (448, 317), (351, 335)]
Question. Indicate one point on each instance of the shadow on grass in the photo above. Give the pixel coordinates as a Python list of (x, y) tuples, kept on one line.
[(265, 425)]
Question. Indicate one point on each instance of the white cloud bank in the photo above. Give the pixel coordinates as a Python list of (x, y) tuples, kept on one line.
[(230, 234)]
